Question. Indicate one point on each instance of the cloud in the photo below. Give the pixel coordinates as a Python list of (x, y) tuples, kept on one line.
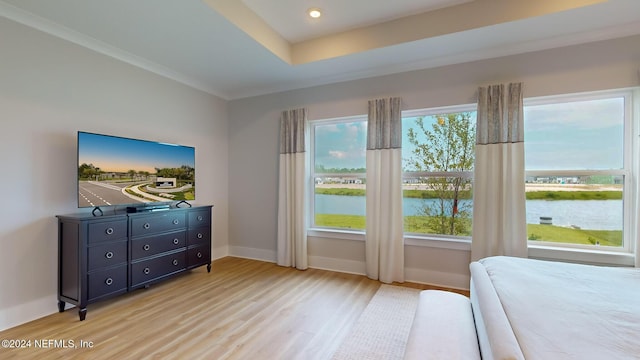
[(355, 130), (338, 154), (587, 114), (328, 128)]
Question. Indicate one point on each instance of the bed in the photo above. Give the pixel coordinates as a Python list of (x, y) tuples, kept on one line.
[(534, 309)]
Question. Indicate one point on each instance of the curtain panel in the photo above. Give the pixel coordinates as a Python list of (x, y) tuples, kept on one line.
[(384, 222), (499, 219), (292, 237)]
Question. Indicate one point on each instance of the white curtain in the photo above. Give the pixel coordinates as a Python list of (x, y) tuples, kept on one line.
[(637, 254), (499, 221), (292, 237), (384, 232)]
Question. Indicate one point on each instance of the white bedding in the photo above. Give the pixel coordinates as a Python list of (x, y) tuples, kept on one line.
[(545, 310)]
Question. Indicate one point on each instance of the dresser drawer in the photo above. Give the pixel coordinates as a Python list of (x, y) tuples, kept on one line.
[(201, 235), (107, 231), (148, 270), (199, 218), (108, 281), (199, 255), (105, 255), (153, 245), (147, 225)]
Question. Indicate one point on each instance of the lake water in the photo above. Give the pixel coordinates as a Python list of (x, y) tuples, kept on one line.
[(586, 214)]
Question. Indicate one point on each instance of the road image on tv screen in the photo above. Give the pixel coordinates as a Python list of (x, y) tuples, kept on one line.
[(116, 171)]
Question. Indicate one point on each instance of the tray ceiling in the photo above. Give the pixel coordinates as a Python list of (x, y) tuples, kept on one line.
[(235, 49)]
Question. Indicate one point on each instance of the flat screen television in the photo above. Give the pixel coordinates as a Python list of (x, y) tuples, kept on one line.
[(115, 170)]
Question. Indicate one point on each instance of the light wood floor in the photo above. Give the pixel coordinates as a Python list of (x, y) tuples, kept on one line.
[(243, 309)]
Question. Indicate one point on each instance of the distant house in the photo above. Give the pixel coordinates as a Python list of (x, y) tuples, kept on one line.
[(162, 182)]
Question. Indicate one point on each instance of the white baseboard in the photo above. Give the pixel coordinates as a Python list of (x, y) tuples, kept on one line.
[(421, 276), (437, 278), (25, 312), (219, 252), (339, 265), (253, 253)]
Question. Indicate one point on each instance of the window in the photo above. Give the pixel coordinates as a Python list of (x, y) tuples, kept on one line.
[(578, 170), (338, 173), (438, 148)]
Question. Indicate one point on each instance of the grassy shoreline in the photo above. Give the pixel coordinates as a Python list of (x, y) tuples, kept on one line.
[(537, 232), (530, 195)]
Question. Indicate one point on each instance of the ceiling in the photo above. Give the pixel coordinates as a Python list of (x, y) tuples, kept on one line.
[(339, 15), (241, 48)]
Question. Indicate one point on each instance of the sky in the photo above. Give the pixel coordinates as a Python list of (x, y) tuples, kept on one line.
[(342, 145), (116, 154), (566, 136), (577, 135)]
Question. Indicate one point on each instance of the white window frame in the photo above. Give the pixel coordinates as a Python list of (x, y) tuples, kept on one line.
[(455, 242), (589, 253), (542, 251), (325, 231)]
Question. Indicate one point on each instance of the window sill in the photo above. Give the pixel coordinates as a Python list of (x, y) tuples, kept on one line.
[(596, 257), (409, 240), (336, 234), (535, 251), (438, 242)]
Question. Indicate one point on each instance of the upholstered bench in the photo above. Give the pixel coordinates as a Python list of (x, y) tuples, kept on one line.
[(443, 328)]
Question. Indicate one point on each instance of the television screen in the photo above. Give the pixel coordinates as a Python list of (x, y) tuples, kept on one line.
[(115, 170)]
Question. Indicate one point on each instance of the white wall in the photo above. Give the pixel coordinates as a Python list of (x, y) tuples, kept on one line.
[(253, 138), (50, 89)]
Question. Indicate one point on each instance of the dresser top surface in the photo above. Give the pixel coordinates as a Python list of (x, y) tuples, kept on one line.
[(114, 214)]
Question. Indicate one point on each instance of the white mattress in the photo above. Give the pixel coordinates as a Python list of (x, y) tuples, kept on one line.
[(545, 310)]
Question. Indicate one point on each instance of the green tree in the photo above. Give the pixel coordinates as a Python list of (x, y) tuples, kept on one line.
[(320, 168), (184, 173), (88, 172), (143, 174), (444, 147), (187, 172)]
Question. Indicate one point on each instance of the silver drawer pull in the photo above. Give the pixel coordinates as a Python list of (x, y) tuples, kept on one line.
[(175, 262), (200, 218), (146, 271), (146, 247), (147, 226), (200, 236), (175, 222), (176, 241), (199, 255), (109, 255), (109, 281), (109, 231)]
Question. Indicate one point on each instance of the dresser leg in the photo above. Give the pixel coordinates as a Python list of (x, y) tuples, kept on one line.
[(82, 313), (209, 267), (61, 306)]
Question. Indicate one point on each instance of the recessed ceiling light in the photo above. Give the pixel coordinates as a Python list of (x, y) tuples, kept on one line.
[(314, 13)]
